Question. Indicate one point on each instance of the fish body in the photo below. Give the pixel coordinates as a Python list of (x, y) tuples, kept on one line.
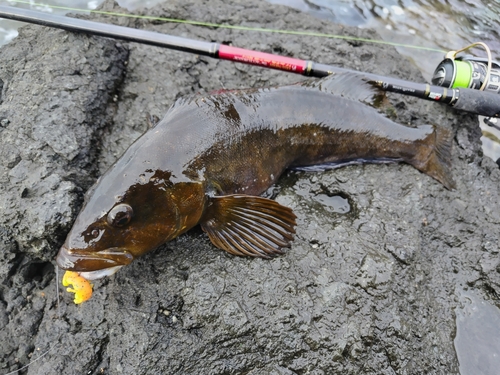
[(208, 160)]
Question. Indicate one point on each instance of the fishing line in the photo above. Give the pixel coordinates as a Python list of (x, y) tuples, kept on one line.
[(33, 361), (50, 348), (464, 99), (57, 292), (234, 27)]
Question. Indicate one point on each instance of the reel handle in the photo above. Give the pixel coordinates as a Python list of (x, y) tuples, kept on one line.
[(485, 103)]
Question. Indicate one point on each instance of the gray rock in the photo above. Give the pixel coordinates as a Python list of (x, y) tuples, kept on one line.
[(369, 286)]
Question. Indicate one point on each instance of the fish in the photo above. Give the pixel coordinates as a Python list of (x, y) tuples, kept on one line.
[(212, 156)]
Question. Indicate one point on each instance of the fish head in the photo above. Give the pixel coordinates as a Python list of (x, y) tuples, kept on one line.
[(124, 217)]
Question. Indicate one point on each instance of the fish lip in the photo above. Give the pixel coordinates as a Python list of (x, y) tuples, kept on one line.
[(83, 261), (94, 275)]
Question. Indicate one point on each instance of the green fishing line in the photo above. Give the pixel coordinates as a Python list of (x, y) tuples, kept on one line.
[(245, 28)]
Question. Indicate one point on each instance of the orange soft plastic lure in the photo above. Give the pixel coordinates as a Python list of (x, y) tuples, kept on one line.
[(81, 286)]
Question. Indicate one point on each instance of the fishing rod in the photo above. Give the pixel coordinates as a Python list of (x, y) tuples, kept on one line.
[(474, 101)]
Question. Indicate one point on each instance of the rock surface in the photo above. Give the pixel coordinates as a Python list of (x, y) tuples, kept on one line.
[(370, 285)]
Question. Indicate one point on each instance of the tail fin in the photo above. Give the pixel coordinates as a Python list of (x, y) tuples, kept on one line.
[(437, 164)]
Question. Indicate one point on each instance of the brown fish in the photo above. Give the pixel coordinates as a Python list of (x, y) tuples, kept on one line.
[(211, 157)]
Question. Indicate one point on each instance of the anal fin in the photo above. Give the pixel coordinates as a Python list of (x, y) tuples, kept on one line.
[(249, 226)]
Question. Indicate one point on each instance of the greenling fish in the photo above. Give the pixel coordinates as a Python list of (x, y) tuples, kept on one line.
[(208, 160)]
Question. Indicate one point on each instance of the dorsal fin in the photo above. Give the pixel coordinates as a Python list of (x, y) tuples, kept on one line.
[(350, 85), (185, 99)]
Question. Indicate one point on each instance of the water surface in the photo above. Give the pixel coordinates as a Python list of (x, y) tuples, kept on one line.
[(477, 341)]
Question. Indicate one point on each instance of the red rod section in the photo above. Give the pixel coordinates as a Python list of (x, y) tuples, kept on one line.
[(262, 59)]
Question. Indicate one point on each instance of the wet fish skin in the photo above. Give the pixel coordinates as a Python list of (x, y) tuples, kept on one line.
[(208, 160)]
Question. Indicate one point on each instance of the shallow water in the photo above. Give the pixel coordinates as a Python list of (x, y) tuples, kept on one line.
[(336, 203), (477, 341), (445, 25)]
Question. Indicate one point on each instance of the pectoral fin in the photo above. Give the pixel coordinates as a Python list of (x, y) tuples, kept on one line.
[(248, 225)]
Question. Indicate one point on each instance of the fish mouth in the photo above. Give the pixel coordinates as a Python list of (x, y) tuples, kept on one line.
[(94, 275), (93, 265)]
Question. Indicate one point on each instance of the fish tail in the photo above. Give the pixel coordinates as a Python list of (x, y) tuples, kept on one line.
[(437, 163)]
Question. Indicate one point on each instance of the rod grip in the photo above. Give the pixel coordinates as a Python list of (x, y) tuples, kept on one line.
[(479, 102)]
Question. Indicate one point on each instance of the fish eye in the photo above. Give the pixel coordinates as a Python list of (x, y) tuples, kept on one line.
[(120, 215), (95, 233)]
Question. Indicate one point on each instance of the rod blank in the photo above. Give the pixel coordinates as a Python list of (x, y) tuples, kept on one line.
[(469, 100)]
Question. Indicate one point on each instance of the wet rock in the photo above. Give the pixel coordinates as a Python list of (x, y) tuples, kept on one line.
[(56, 101), (370, 287), (55, 95)]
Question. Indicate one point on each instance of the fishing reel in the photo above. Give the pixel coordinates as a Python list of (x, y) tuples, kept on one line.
[(468, 71), (477, 73)]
